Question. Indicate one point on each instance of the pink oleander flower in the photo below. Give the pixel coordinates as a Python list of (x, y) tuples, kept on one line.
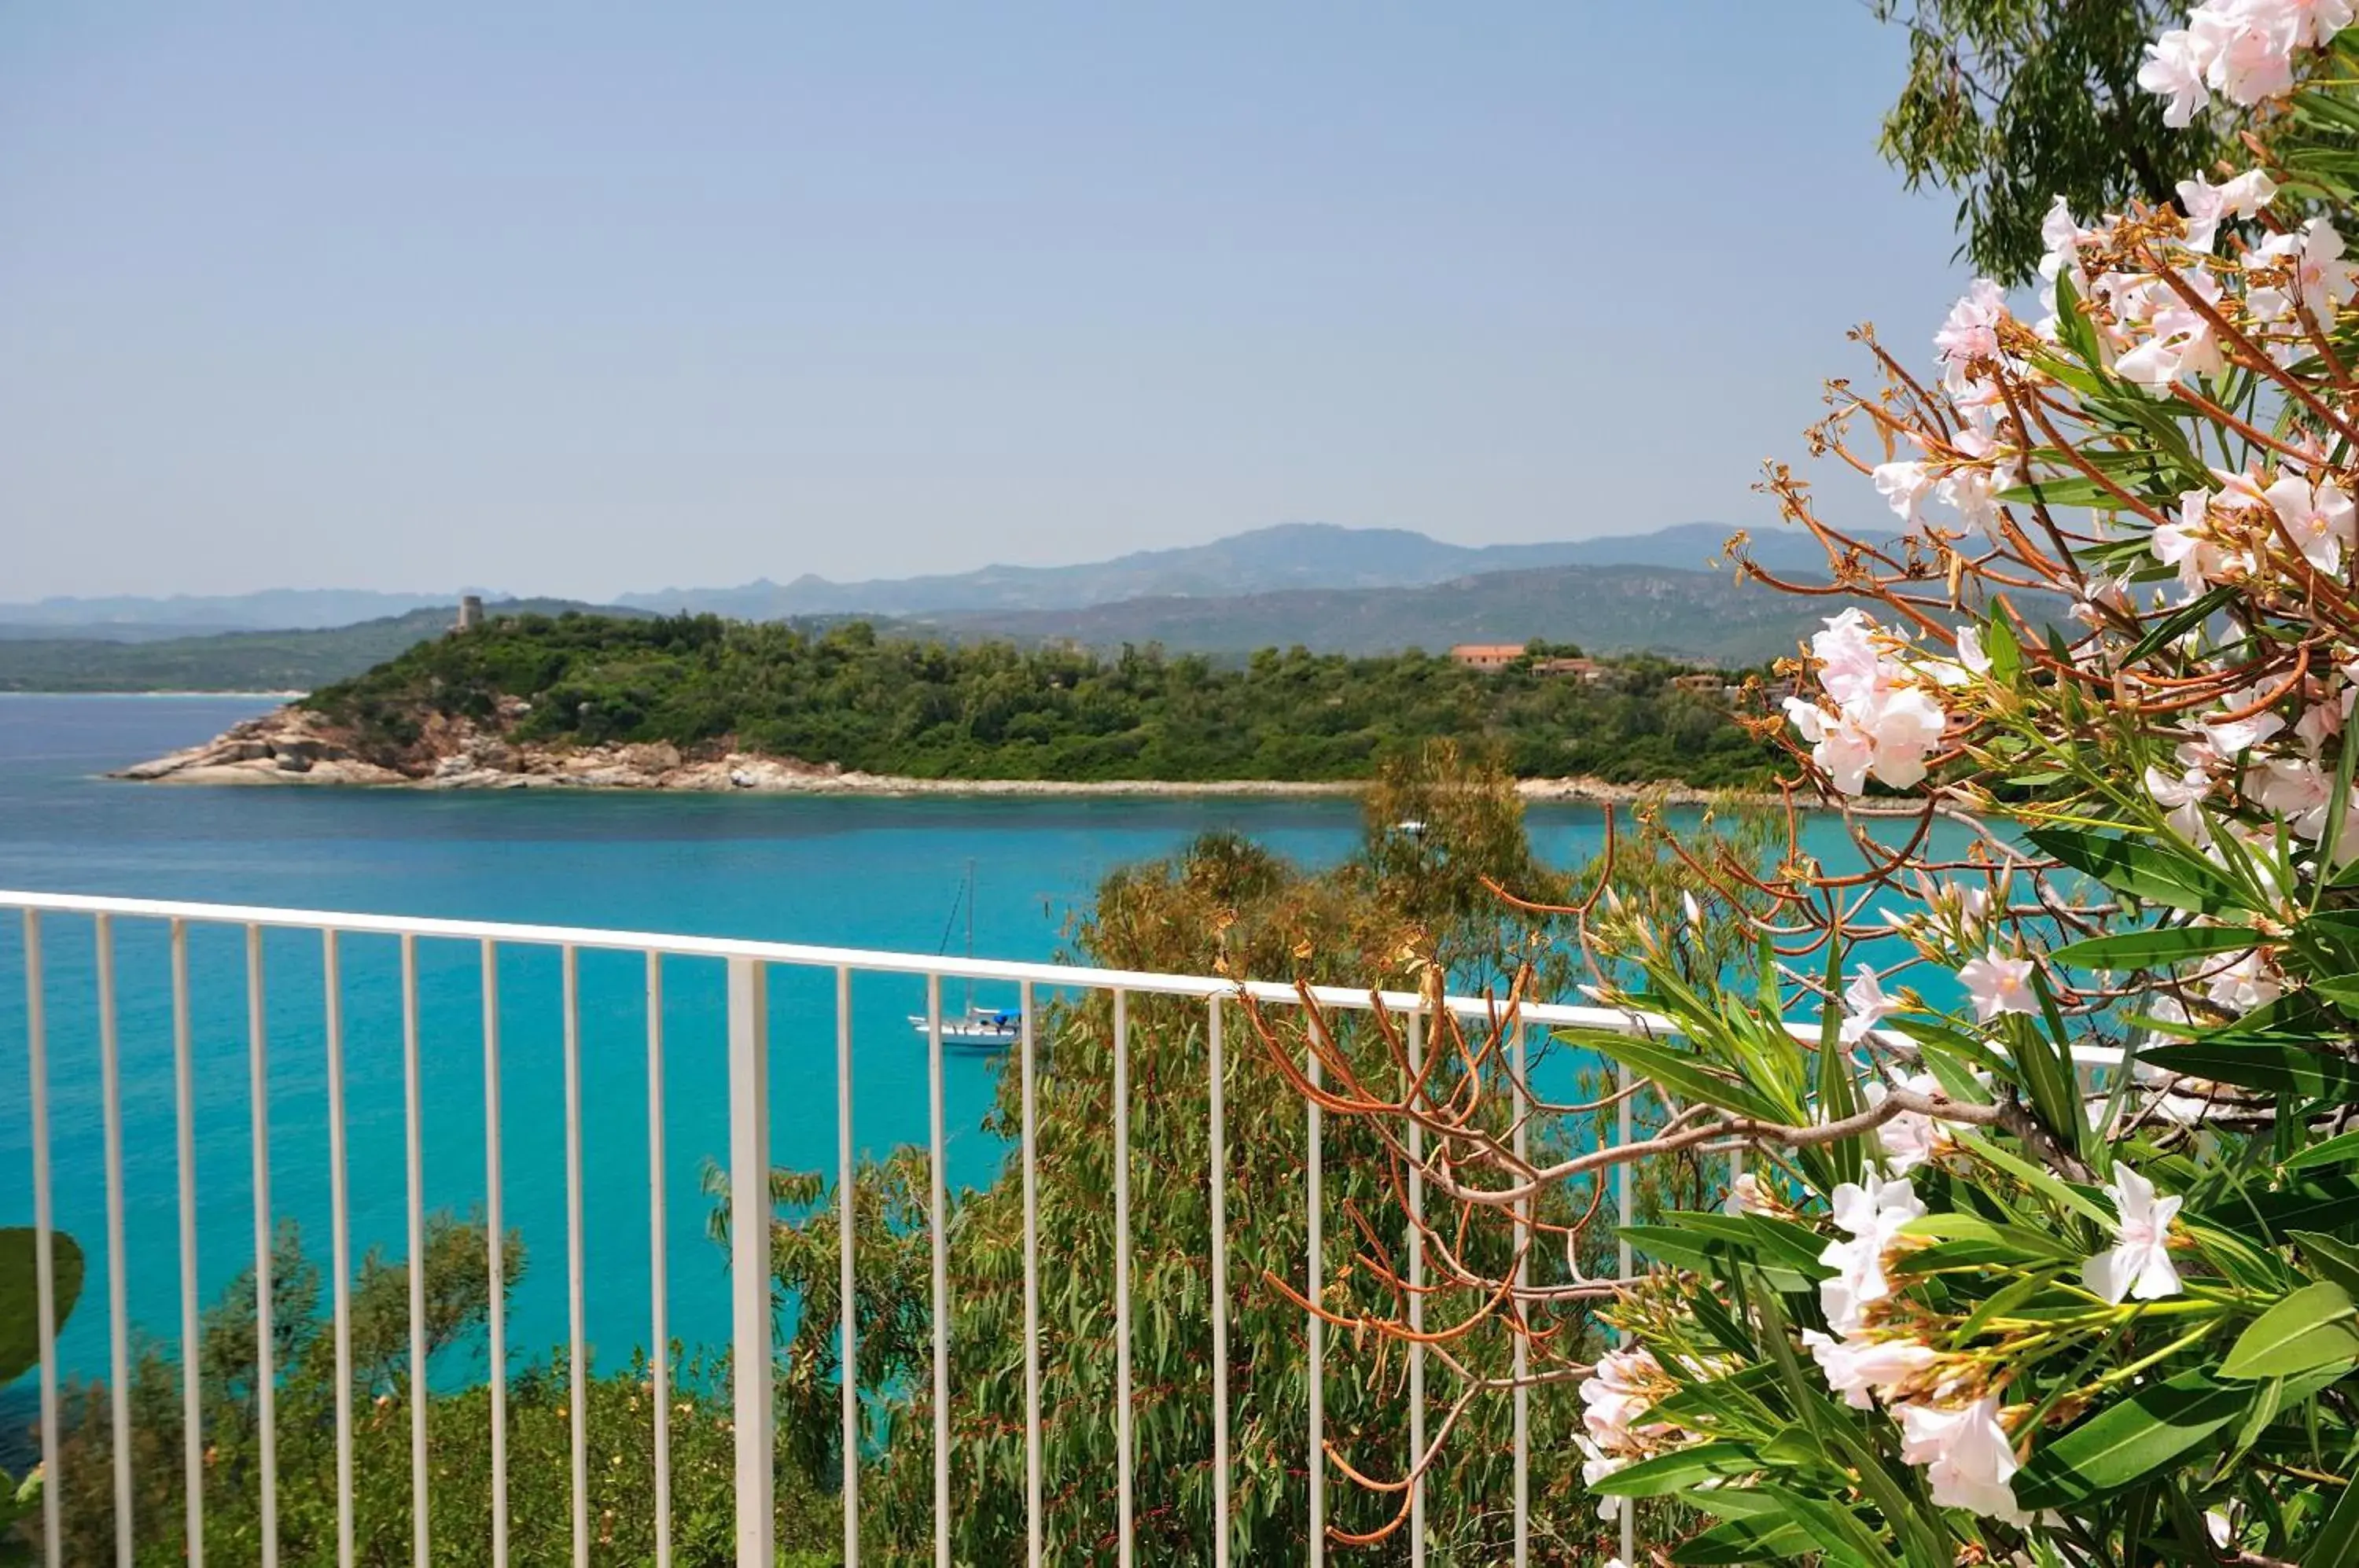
[(2321, 280), (1997, 983), (2207, 206), (2319, 517), (1970, 330), (1865, 1005), (2247, 46), (1625, 1385), (2311, 22), (1859, 1368), (1851, 664), (1913, 1137), (2238, 988), (2139, 1264), (2181, 796), (1595, 1466), (2179, 340), (1872, 1210), (2185, 542), (2322, 719), (1970, 651), (2297, 789), (1972, 485), (1904, 484), (1884, 721), (2174, 69), (2098, 595), (2229, 735), (1967, 1456)]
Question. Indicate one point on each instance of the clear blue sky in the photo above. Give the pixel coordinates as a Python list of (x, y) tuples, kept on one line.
[(582, 297)]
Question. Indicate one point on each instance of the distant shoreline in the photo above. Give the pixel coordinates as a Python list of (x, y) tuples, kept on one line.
[(294, 745), (768, 778), (1567, 791), (223, 696)]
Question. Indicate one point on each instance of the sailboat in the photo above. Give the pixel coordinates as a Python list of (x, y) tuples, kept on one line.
[(985, 1029)]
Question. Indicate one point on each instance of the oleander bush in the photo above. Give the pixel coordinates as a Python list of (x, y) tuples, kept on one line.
[(2047, 1250)]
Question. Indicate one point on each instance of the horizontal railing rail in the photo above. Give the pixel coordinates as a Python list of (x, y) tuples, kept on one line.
[(803, 955)]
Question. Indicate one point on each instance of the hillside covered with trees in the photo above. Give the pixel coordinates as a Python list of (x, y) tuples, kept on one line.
[(296, 659), (850, 698)]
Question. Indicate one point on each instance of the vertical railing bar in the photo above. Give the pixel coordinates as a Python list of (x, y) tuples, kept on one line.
[(1623, 1259), (45, 1283), (749, 1260), (1522, 1396), (184, 1096), (1126, 1525), (577, 1328), (1417, 1304), (413, 1116), (266, 1358), (1622, 1195), (1735, 1179), (497, 1249), (940, 1205), (659, 1306), (1316, 1379), (1032, 1465), (1216, 1069), (340, 1233), (847, 1225), (118, 1295)]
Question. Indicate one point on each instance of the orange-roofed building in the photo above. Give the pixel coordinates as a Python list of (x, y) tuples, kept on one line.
[(1487, 655)]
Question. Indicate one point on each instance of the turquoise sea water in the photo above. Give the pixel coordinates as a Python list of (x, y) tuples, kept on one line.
[(861, 872)]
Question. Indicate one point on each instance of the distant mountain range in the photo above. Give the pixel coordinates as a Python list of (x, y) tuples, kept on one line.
[(1264, 560), (1328, 588), (131, 619), (1699, 615), (296, 660)]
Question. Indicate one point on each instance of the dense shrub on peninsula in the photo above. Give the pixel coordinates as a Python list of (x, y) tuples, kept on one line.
[(847, 698)]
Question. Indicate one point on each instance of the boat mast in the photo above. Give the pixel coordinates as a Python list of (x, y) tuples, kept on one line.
[(970, 934)]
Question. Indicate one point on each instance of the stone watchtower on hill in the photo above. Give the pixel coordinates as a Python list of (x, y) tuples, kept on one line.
[(471, 612)]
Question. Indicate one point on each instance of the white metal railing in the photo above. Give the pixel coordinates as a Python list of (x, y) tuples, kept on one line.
[(749, 965)]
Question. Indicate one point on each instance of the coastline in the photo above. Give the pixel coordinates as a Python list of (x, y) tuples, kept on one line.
[(1560, 791), (291, 746), (175, 692)]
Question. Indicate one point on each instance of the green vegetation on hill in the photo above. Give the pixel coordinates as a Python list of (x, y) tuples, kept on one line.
[(296, 660), (1694, 615), (993, 711)]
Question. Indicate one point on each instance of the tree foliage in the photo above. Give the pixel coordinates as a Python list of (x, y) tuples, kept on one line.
[(384, 1385), (2011, 103), (993, 711), (1226, 906)]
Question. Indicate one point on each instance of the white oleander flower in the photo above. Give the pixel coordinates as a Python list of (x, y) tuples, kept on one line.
[(1859, 1368), (1911, 1137), (1967, 1456), (1865, 1005), (2138, 1265), (1872, 1211), (1996, 984)]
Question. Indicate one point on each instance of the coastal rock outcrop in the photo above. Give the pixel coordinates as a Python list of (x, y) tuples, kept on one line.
[(289, 745), (298, 745)]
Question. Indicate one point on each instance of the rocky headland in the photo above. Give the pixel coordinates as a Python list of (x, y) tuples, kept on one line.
[(297, 745)]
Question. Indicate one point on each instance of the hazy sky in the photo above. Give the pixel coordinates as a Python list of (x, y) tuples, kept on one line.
[(578, 298)]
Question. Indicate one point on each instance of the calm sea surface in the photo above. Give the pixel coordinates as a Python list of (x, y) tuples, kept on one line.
[(861, 873)]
